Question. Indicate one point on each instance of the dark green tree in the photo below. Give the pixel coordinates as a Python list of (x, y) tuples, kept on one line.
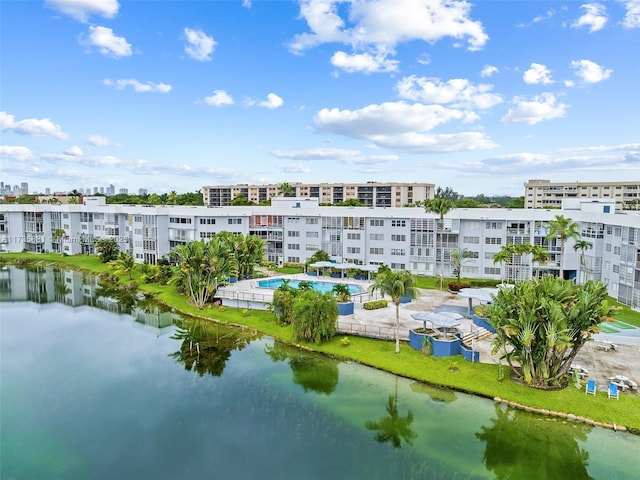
[(107, 249)]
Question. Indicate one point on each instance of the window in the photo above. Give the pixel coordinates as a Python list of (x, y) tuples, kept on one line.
[(293, 246), (398, 223), (398, 266), (398, 251), (398, 238), (137, 218), (616, 250), (607, 247), (376, 236), (472, 254), (353, 249), (355, 223), (312, 234), (182, 220), (489, 255), (207, 234), (353, 236), (311, 247), (293, 233), (616, 269), (207, 221), (137, 231), (293, 259), (493, 225), (491, 271), (376, 251), (312, 221), (493, 241), (376, 222), (235, 221), (293, 219), (471, 240)]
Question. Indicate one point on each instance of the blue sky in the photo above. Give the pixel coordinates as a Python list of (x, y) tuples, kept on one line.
[(174, 95)]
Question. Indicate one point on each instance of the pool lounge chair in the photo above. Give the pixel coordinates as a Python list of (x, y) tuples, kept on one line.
[(591, 387), (613, 391)]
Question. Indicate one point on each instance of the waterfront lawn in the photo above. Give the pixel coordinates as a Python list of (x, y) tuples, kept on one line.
[(474, 378)]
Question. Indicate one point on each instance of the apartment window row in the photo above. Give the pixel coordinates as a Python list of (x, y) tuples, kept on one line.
[(398, 223), (493, 241), (182, 220), (353, 236), (353, 249), (398, 251), (207, 221), (376, 251), (234, 221), (398, 238), (376, 222), (472, 240), (376, 236), (312, 234), (293, 246)]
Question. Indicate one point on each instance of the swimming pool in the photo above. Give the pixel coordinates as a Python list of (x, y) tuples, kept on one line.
[(323, 287)]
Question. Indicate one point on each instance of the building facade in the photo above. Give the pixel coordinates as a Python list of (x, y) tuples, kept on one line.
[(545, 194), (403, 238), (371, 194)]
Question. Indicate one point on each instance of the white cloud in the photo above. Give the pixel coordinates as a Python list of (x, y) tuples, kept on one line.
[(489, 70), (349, 157), (536, 74), (15, 152), (246, 3), (387, 118), (632, 17), (74, 151), (81, 10), (540, 108), (294, 168), (140, 87), (363, 62), (457, 92), (595, 17), (219, 98), (429, 143), (401, 126), (590, 72), (375, 27), (272, 102), (99, 141), (107, 42), (199, 45), (34, 127)]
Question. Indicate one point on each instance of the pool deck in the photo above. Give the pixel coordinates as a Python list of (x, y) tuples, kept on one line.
[(380, 323)]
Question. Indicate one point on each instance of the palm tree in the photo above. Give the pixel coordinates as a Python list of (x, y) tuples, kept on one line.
[(396, 284), (503, 257), (124, 264), (582, 245), (441, 206), (286, 190), (458, 256), (539, 254), (564, 228)]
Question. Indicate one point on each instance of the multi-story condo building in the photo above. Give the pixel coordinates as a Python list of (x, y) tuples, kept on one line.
[(402, 238), (371, 194), (545, 194)]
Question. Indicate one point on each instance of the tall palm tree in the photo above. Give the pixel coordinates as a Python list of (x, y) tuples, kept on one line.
[(539, 254), (441, 206), (582, 245), (565, 228), (393, 427), (503, 257), (458, 257), (286, 190), (396, 284)]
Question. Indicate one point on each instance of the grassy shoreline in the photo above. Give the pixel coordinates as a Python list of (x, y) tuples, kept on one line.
[(474, 378)]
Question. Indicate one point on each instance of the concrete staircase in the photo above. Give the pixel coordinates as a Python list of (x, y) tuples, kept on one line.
[(478, 333)]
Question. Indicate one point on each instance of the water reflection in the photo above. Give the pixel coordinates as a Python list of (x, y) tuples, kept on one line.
[(518, 446), (52, 285), (206, 346), (312, 372), (437, 394), (393, 427)]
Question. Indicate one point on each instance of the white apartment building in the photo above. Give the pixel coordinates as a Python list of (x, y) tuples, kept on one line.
[(402, 238), (371, 194), (543, 193)]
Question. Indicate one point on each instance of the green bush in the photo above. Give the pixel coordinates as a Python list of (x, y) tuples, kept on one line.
[(293, 265), (375, 304), (481, 310)]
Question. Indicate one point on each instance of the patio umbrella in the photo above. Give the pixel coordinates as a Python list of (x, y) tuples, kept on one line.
[(438, 320)]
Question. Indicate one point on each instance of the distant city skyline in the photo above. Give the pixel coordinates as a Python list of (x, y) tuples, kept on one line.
[(478, 96)]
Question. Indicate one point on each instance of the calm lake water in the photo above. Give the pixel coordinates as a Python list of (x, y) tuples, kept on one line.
[(91, 393)]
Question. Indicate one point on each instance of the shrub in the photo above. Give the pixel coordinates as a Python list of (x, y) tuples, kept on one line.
[(375, 304), (481, 310), (457, 286), (293, 265)]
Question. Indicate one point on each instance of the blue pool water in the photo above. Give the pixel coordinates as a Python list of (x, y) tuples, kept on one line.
[(323, 287)]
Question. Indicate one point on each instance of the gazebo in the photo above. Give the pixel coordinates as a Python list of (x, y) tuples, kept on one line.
[(442, 320), (484, 295)]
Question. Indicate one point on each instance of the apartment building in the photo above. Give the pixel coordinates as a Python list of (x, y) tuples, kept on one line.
[(371, 194), (402, 238), (545, 194)]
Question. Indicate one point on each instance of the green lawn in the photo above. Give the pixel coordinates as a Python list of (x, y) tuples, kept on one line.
[(476, 378)]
